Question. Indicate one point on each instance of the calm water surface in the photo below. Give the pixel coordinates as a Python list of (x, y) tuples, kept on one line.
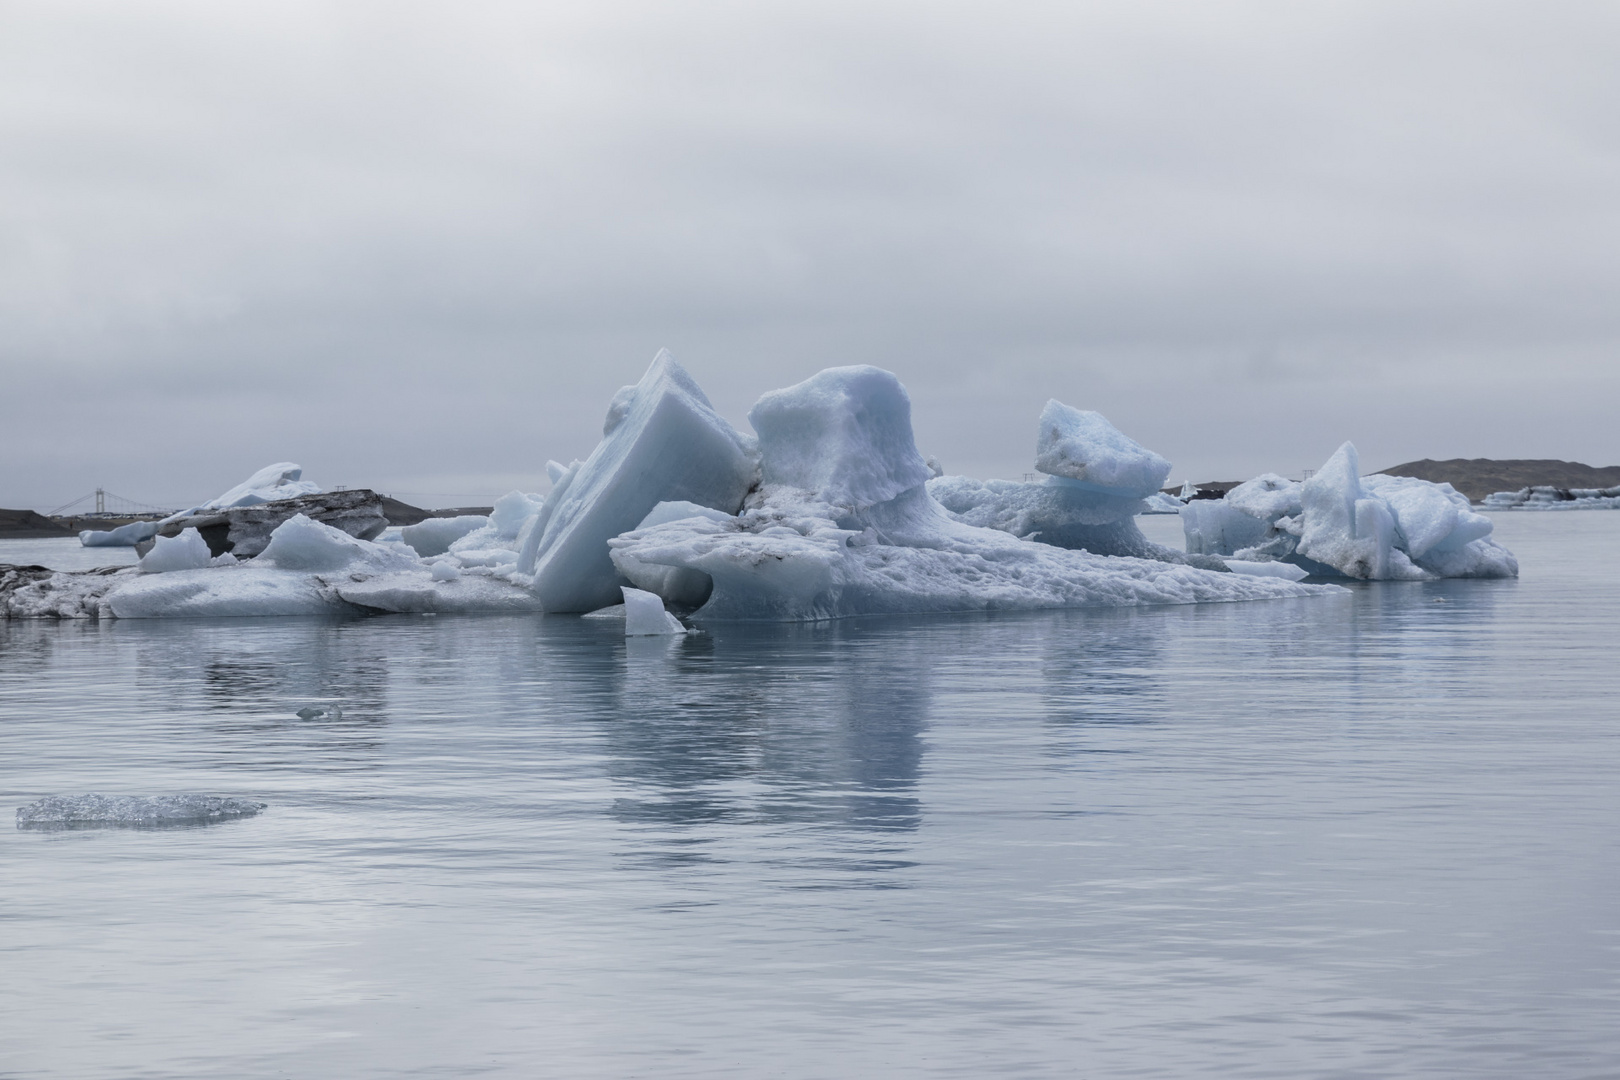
[(1371, 836)]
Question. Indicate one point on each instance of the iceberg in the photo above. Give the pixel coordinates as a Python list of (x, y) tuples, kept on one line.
[(283, 480), (644, 615), (844, 524), (1338, 523), (124, 536), (188, 551), (1102, 482), (435, 535), (828, 510), (131, 811), (1086, 448), (664, 442)]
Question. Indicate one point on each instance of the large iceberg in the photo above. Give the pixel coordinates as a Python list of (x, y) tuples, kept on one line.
[(663, 442), (828, 511), (1339, 523), (843, 523)]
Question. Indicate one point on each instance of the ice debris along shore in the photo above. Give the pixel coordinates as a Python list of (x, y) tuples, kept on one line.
[(131, 811), (826, 510), (1341, 523), (1555, 498)]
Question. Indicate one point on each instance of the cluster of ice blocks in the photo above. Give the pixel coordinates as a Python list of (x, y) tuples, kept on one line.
[(1339, 523), (826, 509), (1543, 497)]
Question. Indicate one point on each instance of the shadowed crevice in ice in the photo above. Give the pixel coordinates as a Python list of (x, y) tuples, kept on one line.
[(131, 811)]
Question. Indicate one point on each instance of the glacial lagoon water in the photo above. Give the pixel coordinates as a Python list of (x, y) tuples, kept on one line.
[(1371, 836)]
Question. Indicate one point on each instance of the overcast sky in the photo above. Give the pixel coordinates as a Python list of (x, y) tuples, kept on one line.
[(417, 247)]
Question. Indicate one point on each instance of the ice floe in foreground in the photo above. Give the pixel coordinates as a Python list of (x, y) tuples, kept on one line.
[(131, 811), (826, 510), (1339, 523)]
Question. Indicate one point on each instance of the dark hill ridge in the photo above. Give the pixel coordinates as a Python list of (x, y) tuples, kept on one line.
[(27, 525), (1479, 477)]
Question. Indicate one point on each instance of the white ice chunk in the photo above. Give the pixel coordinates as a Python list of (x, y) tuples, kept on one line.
[(1266, 498), (843, 435), (123, 536), (435, 535), (446, 570), (670, 445), (1428, 516), (1213, 527), (644, 615), (1285, 570), (1086, 448), (311, 546), (188, 551), (131, 811), (1343, 528)]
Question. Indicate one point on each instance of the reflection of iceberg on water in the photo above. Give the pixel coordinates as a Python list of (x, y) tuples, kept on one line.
[(828, 510)]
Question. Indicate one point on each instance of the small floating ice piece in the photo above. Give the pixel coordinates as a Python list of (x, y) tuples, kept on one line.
[(644, 615), (1286, 571), (131, 811), (123, 536)]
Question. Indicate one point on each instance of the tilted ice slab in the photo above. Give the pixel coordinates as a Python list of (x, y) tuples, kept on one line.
[(844, 525), (131, 811), (1340, 523), (663, 441)]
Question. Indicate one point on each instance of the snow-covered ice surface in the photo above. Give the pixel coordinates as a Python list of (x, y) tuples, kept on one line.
[(131, 811), (1339, 523)]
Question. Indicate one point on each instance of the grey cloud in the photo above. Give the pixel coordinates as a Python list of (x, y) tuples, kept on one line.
[(416, 246)]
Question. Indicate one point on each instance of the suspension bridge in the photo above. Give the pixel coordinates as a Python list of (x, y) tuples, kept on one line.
[(108, 504)]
